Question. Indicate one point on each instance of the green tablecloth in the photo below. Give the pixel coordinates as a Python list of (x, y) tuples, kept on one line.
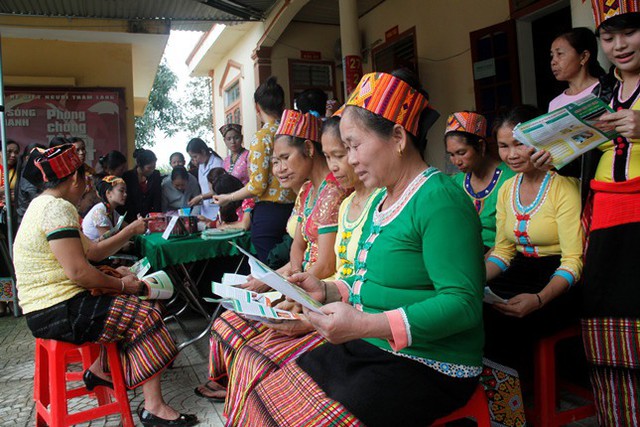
[(162, 253)]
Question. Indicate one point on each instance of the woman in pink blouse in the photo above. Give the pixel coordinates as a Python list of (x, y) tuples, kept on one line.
[(236, 162)]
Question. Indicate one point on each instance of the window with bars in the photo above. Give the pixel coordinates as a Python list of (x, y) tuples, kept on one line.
[(305, 75)]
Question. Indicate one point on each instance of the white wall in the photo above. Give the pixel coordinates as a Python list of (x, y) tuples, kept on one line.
[(444, 58)]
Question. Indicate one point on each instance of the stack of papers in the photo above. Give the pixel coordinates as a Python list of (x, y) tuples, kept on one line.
[(253, 305)]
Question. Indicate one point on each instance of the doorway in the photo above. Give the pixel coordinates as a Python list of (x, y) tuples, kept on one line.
[(543, 31)]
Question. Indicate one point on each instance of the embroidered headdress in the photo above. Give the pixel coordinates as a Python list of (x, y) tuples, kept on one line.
[(467, 121), (605, 9), (295, 123), (57, 162), (230, 126), (389, 97)]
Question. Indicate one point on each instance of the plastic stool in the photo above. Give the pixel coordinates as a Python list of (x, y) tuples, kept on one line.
[(476, 408), (50, 384), (544, 412)]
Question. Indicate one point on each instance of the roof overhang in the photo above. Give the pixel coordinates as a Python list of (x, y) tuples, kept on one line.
[(215, 45), (147, 49)]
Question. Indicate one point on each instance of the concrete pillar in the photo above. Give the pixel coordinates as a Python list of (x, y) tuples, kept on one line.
[(350, 44), (262, 64)]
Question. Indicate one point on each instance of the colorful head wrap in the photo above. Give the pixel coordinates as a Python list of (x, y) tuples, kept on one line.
[(389, 97), (295, 123), (230, 126), (57, 162), (467, 121), (605, 9)]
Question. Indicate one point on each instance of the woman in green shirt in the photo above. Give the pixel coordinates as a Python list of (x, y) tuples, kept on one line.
[(481, 175), (405, 331)]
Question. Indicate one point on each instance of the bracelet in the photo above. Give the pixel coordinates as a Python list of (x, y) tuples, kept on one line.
[(539, 301), (122, 282), (325, 291)]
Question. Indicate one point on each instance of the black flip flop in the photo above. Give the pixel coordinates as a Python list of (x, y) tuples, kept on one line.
[(214, 399)]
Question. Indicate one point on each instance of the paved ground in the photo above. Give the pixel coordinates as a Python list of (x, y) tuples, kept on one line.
[(189, 370), (16, 379)]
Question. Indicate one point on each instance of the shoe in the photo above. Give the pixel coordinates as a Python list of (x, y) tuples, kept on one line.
[(184, 420), (92, 381)]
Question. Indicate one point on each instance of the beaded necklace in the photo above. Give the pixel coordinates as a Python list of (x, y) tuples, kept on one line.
[(479, 197), (346, 265)]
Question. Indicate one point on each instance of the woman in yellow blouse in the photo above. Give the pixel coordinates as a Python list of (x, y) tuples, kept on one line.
[(273, 202), (537, 256)]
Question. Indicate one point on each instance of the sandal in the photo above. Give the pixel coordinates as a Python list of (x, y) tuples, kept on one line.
[(213, 387)]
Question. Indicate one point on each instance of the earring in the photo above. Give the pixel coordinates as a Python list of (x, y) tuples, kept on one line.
[(400, 151)]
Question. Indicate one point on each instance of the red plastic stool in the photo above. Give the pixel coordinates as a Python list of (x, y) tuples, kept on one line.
[(477, 408), (50, 384), (544, 412)]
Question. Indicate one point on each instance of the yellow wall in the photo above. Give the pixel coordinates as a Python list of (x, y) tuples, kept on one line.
[(90, 64), (442, 31), (241, 53)]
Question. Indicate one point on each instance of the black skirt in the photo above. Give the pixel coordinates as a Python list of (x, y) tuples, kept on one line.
[(77, 320), (382, 389), (510, 340)]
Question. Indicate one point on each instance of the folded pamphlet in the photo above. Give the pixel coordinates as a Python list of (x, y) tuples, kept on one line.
[(158, 286), (263, 273), (492, 298), (568, 132)]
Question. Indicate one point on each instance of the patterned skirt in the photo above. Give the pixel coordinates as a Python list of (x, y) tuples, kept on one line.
[(354, 384), (228, 333), (611, 324), (145, 345), (260, 357)]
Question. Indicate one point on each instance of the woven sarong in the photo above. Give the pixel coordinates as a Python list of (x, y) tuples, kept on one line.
[(228, 333), (146, 347), (260, 357), (290, 398)]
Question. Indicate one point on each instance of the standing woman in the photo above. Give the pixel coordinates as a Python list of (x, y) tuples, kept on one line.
[(113, 163), (206, 159), (144, 191), (574, 59), (13, 153), (273, 202), (481, 176), (612, 271), (236, 163)]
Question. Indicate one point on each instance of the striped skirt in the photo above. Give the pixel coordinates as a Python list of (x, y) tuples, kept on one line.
[(145, 345), (611, 324), (290, 398), (260, 357), (228, 334)]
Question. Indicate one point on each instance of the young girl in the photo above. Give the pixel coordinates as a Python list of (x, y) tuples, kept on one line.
[(102, 217), (236, 214)]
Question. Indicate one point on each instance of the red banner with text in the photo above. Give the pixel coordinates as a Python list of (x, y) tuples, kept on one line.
[(352, 72), (95, 115)]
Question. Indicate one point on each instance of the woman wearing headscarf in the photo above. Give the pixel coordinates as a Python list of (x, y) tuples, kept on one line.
[(405, 330), (57, 283), (481, 175)]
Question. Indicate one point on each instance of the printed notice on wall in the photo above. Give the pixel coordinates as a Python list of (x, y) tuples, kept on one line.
[(95, 115)]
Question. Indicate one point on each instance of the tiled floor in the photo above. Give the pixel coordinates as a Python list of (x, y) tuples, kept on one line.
[(16, 379), (189, 370)]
